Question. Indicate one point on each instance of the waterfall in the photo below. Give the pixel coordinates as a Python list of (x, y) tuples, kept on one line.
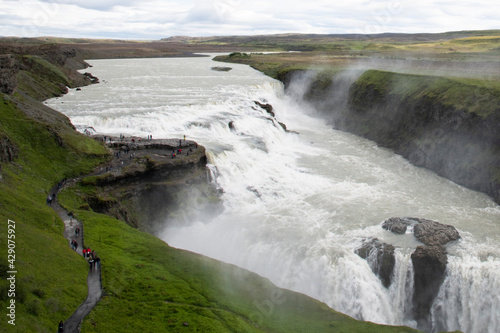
[(468, 300), (298, 204)]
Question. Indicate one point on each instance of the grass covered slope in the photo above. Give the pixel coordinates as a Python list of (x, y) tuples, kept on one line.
[(477, 97), (151, 287), (38, 148), (50, 279)]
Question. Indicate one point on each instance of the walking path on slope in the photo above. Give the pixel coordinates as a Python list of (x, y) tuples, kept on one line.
[(72, 325), (160, 148)]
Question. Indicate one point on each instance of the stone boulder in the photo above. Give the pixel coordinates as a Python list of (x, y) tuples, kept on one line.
[(426, 231), (434, 233), (429, 261), (380, 257), (397, 225)]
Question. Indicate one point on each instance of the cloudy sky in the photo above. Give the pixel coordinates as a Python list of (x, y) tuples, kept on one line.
[(155, 19)]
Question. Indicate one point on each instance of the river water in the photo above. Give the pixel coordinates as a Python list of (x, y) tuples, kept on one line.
[(297, 205)]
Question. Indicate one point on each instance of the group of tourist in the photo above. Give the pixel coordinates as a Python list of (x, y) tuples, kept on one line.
[(179, 149), (93, 259), (125, 151)]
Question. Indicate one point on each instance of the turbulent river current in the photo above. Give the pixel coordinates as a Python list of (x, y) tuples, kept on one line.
[(297, 205)]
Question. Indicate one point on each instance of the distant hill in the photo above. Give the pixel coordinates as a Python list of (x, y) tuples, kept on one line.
[(415, 37)]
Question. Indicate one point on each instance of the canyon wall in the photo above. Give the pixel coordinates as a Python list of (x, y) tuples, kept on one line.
[(448, 125)]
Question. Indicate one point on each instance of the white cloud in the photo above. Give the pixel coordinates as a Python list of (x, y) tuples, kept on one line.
[(153, 19)]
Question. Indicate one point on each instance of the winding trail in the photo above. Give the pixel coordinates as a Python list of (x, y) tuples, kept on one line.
[(72, 325), (160, 149)]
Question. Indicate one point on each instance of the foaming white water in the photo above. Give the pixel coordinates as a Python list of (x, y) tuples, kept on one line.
[(298, 205), (468, 300)]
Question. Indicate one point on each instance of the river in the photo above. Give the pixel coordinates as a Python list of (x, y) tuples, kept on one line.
[(297, 205)]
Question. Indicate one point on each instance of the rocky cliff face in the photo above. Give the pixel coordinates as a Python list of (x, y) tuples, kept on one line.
[(40, 71), (380, 257), (146, 187), (8, 151), (8, 70), (450, 126)]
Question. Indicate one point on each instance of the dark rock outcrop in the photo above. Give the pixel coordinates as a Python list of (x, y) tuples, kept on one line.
[(426, 231), (397, 225), (221, 69), (380, 257), (268, 107), (150, 187), (270, 110), (283, 126), (429, 261), (93, 79), (8, 151), (433, 233), (429, 266), (8, 71)]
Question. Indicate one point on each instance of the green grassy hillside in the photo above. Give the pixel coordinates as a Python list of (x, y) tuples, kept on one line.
[(479, 97), (49, 280)]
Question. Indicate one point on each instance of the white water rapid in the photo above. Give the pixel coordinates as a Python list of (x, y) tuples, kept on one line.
[(296, 206)]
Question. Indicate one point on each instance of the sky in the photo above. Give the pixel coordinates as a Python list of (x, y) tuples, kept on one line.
[(156, 19)]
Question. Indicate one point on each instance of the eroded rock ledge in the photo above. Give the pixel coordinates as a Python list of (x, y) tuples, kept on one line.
[(145, 185), (429, 260)]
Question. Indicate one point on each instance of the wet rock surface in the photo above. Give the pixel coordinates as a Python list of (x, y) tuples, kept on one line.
[(270, 110), (397, 225), (429, 260), (268, 107), (429, 266), (380, 257), (426, 231), (433, 233), (221, 69)]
